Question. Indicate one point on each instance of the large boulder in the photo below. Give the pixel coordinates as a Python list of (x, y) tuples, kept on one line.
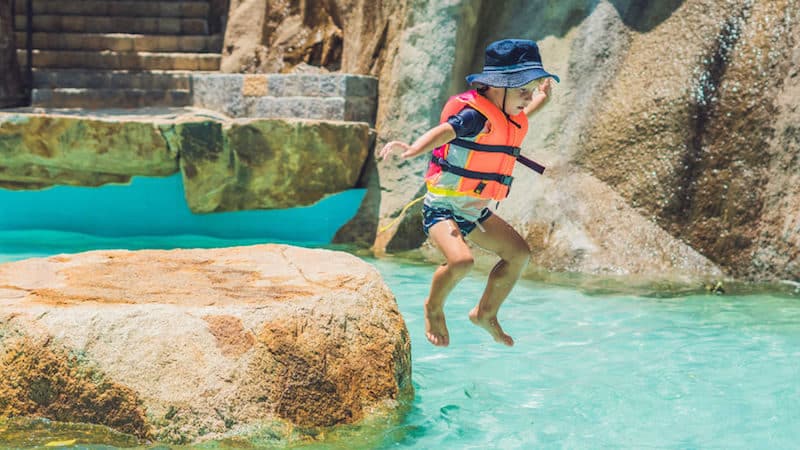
[(677, 150), (697, 131), (188, 345)]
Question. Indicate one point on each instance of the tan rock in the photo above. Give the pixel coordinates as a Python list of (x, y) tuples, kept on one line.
[(352, 36), (690, 139), (201, 344), (254, 86), (243, 49)]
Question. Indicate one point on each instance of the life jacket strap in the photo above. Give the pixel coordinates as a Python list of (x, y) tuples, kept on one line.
[(508, 150), (462, 172), (531, 164)]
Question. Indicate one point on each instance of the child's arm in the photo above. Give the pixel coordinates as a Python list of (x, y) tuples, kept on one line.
[(435, 137), (540, 97)]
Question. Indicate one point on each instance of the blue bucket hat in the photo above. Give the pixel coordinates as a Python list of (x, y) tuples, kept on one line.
[(511, 63)]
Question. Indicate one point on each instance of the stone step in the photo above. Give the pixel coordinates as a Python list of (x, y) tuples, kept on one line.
[(111, 79), (196, 9), (330, 96), (109, 98), (132, 25), (123, 42), (110, 60)]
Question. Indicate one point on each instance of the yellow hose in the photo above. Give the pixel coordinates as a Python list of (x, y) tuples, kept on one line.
[(400, 216)]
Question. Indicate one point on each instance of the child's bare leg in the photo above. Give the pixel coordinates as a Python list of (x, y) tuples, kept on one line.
[(500, 238), (448, 239)]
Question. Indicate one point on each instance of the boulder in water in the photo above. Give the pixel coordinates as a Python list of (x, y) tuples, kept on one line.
[(188, 345)]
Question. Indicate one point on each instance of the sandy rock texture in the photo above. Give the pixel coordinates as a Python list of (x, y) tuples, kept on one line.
[(352, 36), (187, 345), (701, 137)]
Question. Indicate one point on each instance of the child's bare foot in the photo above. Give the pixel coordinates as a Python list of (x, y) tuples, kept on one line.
[(490, 324), (435, 327)]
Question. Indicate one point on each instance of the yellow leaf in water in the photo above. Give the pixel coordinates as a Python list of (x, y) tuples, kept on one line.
[(61, 443)]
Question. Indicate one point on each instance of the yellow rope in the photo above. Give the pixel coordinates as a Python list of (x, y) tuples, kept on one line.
[(400, 216)]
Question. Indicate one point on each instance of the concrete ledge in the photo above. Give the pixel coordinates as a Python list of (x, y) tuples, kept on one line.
[(339, 97), (327, 96)]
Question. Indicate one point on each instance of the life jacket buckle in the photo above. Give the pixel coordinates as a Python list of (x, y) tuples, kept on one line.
[(506, 180)]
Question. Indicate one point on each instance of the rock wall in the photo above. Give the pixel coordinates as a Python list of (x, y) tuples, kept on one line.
[(11, 87), (669, 153), (689, 139), (708, 132), (351, 36)]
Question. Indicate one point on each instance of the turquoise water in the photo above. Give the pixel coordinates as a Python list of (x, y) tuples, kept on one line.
[(156, 207), (587, 371), (604, 371)]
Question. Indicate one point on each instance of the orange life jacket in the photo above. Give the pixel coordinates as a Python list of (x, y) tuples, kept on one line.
[(479, 166)]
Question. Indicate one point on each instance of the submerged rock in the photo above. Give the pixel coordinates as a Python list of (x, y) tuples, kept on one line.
[(188, 345)]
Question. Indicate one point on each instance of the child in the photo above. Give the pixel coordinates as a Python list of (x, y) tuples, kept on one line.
[(474, 151)]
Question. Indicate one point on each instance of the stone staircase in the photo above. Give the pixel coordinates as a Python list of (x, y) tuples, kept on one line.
[(97, 54)]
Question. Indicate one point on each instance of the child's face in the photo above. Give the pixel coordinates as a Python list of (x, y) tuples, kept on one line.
[(518, 98)]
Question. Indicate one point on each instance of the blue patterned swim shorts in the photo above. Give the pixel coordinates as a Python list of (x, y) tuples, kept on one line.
[(432, 215)]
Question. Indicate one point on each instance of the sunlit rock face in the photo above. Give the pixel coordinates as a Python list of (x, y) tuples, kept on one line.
[(351, 36), (697, 130), (671, 143), (188, 345)]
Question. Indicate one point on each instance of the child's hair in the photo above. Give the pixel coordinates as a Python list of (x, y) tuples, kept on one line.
[(482, 89)]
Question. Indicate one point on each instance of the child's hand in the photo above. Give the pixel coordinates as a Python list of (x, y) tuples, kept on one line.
[(546, 86), (391, 146)]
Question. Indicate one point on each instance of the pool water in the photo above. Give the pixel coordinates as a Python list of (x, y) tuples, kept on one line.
[(587, 371), (156, 206), (603, 371)]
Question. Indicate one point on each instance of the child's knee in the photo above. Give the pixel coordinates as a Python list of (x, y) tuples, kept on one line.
[(521, 254), (460, 267)]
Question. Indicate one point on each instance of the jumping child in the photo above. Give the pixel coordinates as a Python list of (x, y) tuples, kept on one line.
[(475, 148)]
